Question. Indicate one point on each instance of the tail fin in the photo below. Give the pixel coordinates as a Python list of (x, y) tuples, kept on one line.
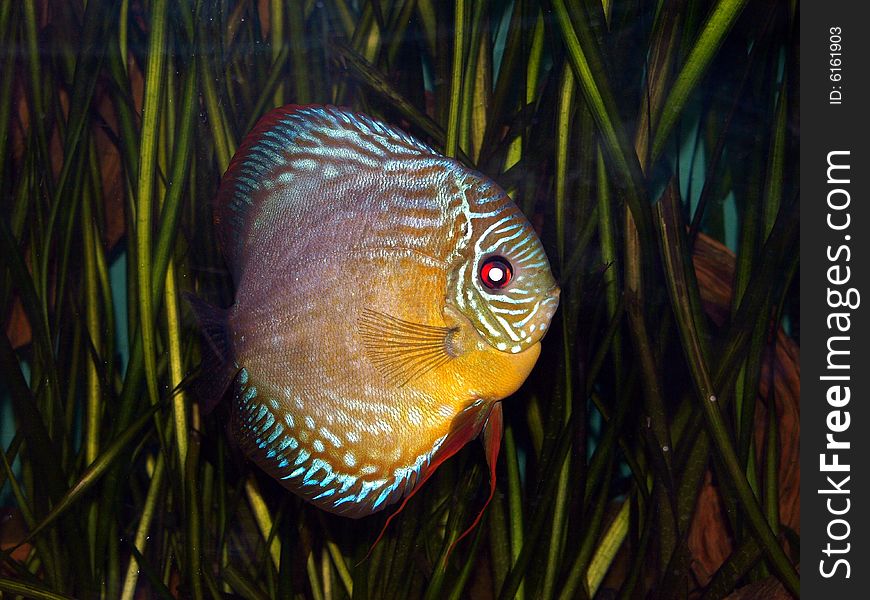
[(217, 367)]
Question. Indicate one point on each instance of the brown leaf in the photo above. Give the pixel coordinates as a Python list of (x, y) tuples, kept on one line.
[(710, 537)]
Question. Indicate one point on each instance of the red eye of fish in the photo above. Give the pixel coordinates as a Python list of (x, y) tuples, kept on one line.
[(496, 273)]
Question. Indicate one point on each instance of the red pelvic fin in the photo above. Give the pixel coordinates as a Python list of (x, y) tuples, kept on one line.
[(492, 432), (466, 428)]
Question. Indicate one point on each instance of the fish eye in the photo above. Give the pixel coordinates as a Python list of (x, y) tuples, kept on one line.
[(496, 272)]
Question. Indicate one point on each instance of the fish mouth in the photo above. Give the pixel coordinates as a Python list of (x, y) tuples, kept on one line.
[(532, 332), (552, 300), (547, 310)]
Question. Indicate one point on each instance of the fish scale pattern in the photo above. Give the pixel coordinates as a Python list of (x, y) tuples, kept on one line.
[(263, 435)]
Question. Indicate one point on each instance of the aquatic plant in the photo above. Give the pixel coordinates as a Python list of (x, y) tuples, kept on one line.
[(653, 450)]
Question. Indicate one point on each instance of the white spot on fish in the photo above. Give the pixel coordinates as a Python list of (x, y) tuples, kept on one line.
[(501, 346), (304, 164), (285, 177), (437, 444), (368, 470), (309, 422), (516, 348), (295, 473), (325, 494), (415, 417), (333, 439), (288, 418), (445, 411), (302, 457), (350, 459), (346, 481), (318, 446), (352, 437)]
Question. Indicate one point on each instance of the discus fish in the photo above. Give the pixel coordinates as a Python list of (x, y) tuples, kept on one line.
[(387, 298)]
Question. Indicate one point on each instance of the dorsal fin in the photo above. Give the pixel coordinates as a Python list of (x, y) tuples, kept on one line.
[(266, 151)]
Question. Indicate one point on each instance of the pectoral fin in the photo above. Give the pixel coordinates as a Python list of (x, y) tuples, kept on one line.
[(402, 350)]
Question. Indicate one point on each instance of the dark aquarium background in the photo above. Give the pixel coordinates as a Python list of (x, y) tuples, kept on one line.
[(653, 452)]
